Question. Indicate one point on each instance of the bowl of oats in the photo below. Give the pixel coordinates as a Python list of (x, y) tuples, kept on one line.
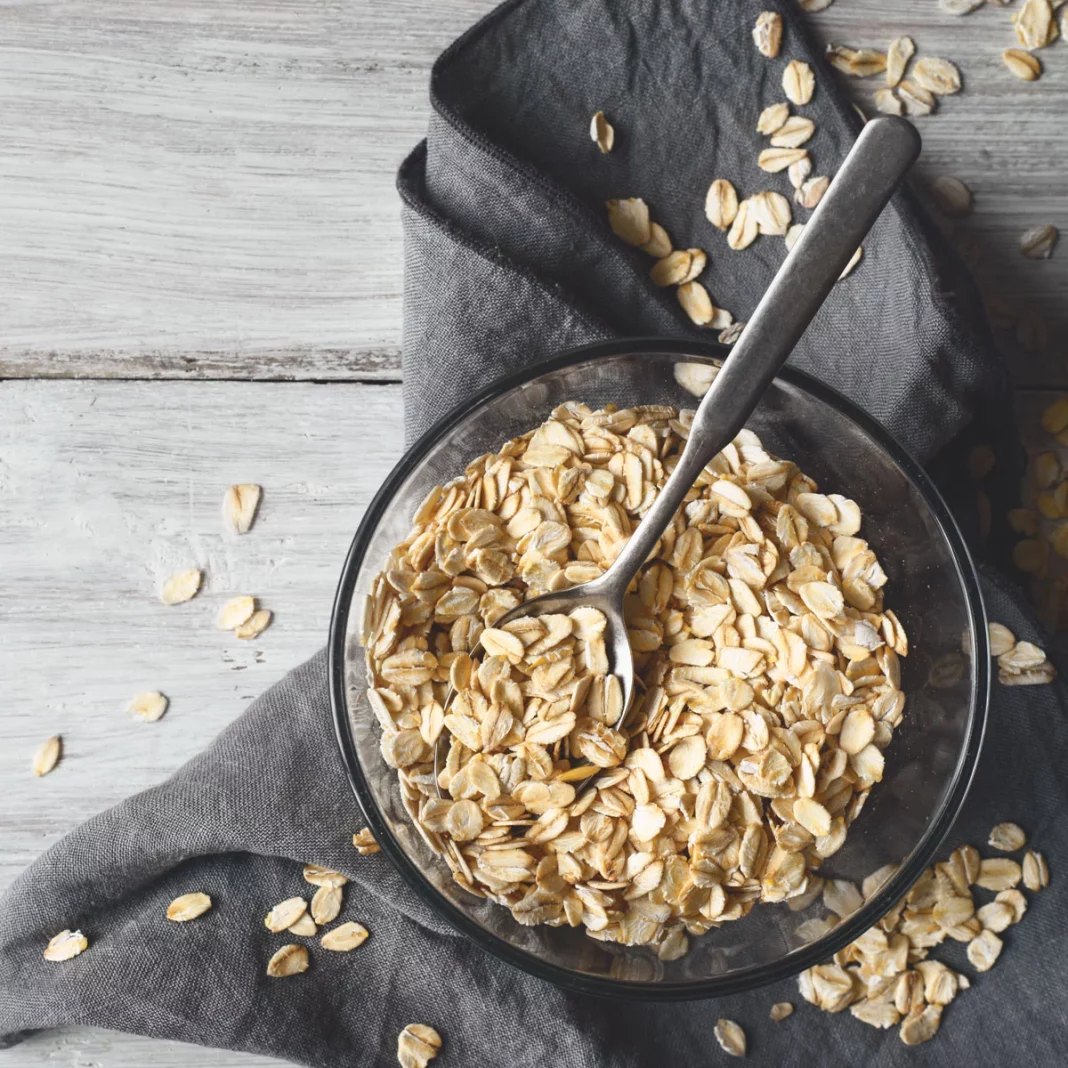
[(806, 715)]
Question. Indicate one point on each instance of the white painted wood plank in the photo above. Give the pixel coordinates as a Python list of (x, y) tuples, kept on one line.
[(90, 1047), (195, 189), (105, 488)]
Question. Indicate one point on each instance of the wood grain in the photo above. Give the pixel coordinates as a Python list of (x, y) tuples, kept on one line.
[(105, 489), (195, 189)]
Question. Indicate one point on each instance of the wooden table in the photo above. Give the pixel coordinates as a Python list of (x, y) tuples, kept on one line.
[(200, 277)]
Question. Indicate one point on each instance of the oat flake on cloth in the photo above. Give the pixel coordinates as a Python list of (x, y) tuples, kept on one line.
[(509, 258)]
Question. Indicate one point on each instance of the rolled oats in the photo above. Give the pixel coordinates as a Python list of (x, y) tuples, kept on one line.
[(181, 586), (914, 98), (417, 1046), (1008, 837), (365, 843), (1036, 25), (772, 118), (188, 907), (148, 706), (1035, 871), (774, 160), (901, 50), (236, 611), (767, 33), (47, 756), (888, 102), (731, 1038), (937, 76), (239, 507), (1025, 66), (629, 220), (344, 937), (798, 82), (793, 133), (724, 787), (602, 133), (289, 960), (1037, 243), (696, 303), (65, 945), (952, 195)]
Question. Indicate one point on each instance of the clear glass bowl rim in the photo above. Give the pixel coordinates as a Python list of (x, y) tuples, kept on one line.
[(745, 979)]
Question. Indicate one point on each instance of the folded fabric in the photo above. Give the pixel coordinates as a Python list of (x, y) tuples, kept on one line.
[(509, 258)]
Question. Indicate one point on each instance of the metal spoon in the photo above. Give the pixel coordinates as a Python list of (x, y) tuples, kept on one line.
[(882, 155)]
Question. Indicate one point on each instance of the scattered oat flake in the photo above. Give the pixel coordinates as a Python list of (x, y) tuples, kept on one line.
[(952, 196), (915, 99), (344, 937), (998, 873), (305, 927), (674, 269), (326, 904), (937, 76), (1008, 837), (921, 1025), (47, 756), (323, 876), (901, 50), (1037, 243), (364, 841), (984, 950), (629, 220), (289, 960), (744, 229), (659, 244), (767, 33), (417, 1046), (285, 914), (780, 1010), (1025, 66), (721, 204), (148, 706), (848, 268), (772, 212), (812, 191), (236, 611), (793, 234), (798, 82), (888, 102), (774, 160), (960, 7), (239, 507), (1035, 871), (1001, 639), (188, 907), (731, 1037), (812, 6), (65, 945), (793, 133), (602, 132), (696, 303), (254, 626), (1036, 24), (772, 118), (181, 586)]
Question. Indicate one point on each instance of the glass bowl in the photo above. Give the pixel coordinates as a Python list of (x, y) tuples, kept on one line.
[(932, 587)]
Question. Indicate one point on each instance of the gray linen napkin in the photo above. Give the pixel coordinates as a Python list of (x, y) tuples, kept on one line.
[(508, 259)]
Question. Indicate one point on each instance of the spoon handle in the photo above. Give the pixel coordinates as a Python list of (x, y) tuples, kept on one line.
[(879, 159)]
